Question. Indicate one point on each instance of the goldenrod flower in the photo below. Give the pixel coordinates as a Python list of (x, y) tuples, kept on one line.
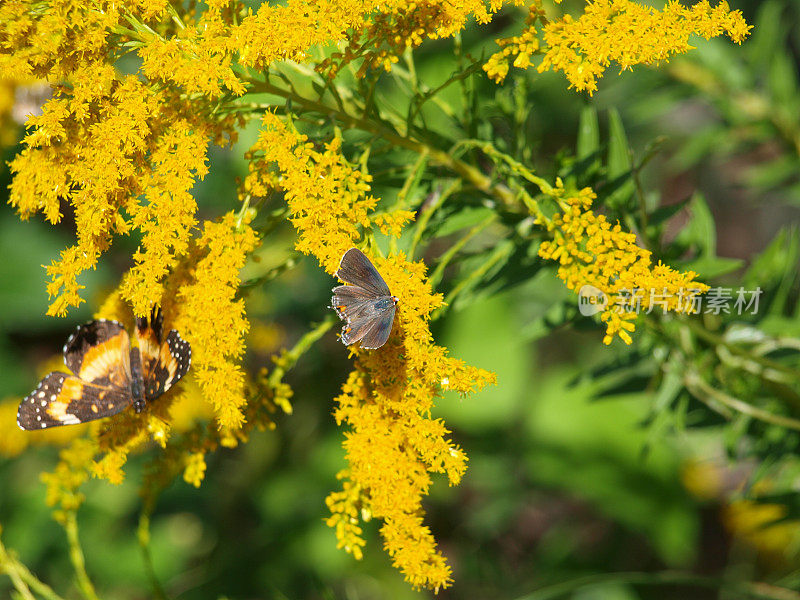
[(393, 445), (621, 31), (213, 320), (593, 252), (406, 24), (63, 483)]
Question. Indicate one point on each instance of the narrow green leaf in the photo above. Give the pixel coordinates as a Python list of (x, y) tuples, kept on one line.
[(588, 133), (775, 270), (619, 161), (467, 217), (783, 79), (701, 232), (768, 34)]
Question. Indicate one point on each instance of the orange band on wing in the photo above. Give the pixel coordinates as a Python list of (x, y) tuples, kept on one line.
[(108, 361), (57, 405)]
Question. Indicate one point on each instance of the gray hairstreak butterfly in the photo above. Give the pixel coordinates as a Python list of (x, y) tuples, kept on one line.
[(366, 305)]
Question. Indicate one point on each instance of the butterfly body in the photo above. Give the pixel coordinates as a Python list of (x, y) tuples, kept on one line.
[(109, 375), (137, 381), (366, 304)]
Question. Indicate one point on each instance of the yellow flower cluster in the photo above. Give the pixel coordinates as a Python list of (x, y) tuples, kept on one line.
[(327, 198), (195, 469), (520, 47), (212, 319), (622, 31), (590, 251), (201, 304), (288, 31), (123, 151), (405, 24), (393, 445), (70, 474), (8, 128)]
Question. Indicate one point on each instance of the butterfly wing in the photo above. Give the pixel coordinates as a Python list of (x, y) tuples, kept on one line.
[(355, 268), (354, 330), (351, 301), (369, 318), (172, 363), (62, 399), (379, 329), (163, 363), (99, 353)]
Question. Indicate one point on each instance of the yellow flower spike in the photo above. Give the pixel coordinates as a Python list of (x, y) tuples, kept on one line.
[(212, 320), (622, 31), (392, 445), (70, 473), (592, 252)]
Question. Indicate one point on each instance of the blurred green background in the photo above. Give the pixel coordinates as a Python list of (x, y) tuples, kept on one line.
[(572, 481)]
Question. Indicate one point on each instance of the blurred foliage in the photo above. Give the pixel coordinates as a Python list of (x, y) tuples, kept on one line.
[(663, 469)]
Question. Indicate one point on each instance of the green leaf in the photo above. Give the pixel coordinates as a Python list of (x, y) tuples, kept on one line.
[(588, 133), (664, 213), (620, 166), (466, 217), (700, 233), (775, 270), (773, 174), (710, 267), (783, 80), (768, 35)]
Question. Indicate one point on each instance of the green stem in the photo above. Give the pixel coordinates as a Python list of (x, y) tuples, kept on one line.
[(273, 273), (767, 366), (76, 556), (10, 567), (412, 180), (704, 391), (242, 212), (422, 224), (436, 276), (496, 256), (143, 535), (289, 358), (516, 167), (444, 159), (23, 579)]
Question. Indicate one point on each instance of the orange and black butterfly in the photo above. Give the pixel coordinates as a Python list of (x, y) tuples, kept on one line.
[(109, 374)]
